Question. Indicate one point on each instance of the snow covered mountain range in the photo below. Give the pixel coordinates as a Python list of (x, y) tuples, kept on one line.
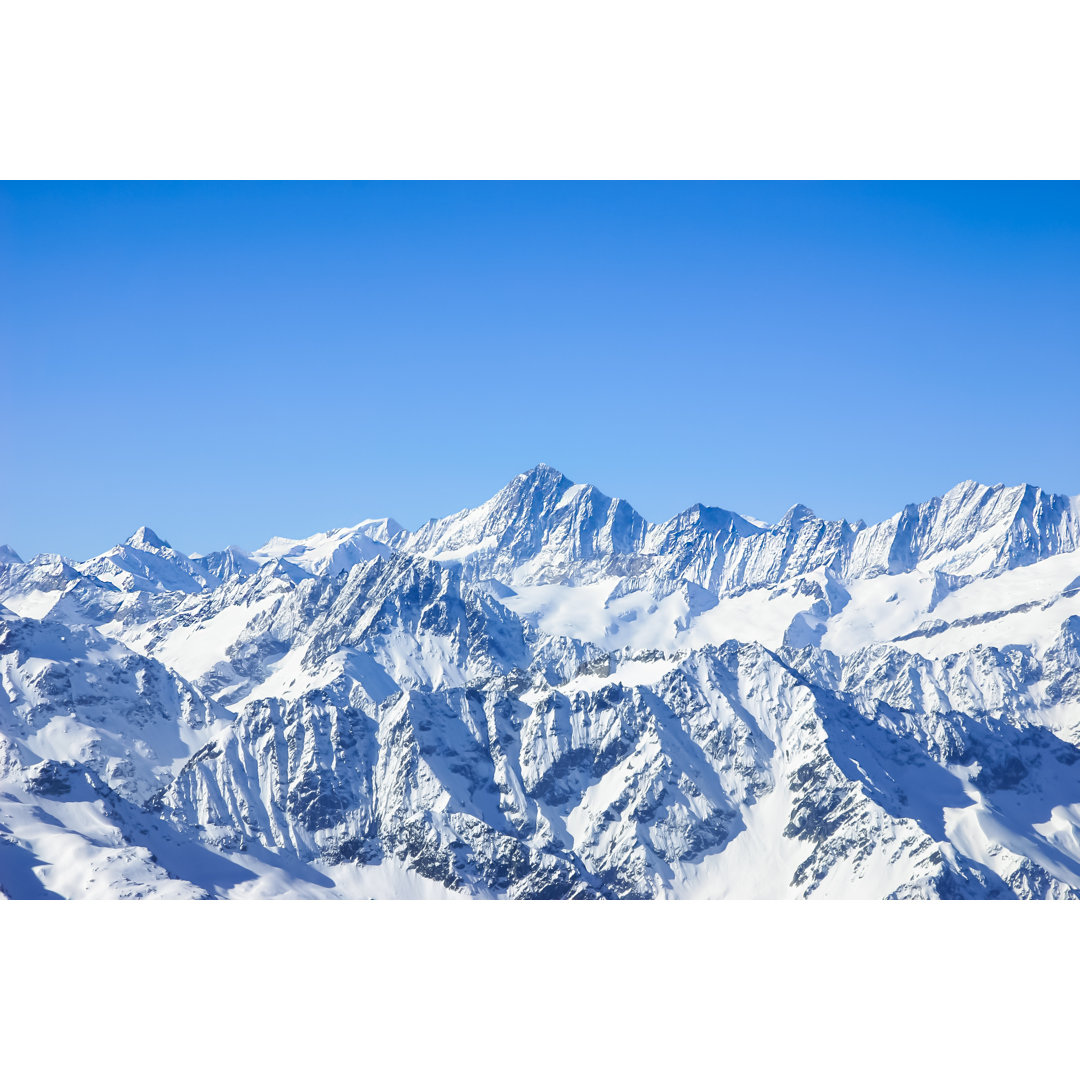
[(549, 696)]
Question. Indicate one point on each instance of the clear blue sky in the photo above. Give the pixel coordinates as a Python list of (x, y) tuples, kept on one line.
[(228, 361)]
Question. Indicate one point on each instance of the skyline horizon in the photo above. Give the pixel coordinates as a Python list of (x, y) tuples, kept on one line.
[(242, 360), (765, 523)]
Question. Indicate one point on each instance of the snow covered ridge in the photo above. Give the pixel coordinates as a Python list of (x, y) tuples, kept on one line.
[(549, 696)]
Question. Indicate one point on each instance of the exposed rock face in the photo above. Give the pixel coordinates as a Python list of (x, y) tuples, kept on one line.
[(549, 696)]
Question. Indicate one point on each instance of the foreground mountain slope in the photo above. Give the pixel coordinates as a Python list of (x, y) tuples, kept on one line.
[(549, 696)]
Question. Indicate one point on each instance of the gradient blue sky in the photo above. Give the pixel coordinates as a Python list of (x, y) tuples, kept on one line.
[(228, 361)]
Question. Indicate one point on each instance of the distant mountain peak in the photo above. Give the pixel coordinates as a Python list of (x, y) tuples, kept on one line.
[(383, 530), (542, 468), (534, 488), (798, 515), (9, 554), (542, 476), (145, 537), (716, 519)]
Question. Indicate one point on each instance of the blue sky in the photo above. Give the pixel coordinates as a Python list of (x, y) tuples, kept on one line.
[(228, 361)]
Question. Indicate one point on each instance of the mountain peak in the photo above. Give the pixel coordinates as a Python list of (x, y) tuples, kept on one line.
[(542, 473), (145, 537), (716, 519), (541, 482), (798, 515), (959, 493), (9, 554), (384, 530)]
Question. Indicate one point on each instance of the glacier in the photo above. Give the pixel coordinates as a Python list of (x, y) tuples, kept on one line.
[(548, 696)]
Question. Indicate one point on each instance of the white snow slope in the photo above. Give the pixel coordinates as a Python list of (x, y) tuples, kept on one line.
[(548, 696)]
